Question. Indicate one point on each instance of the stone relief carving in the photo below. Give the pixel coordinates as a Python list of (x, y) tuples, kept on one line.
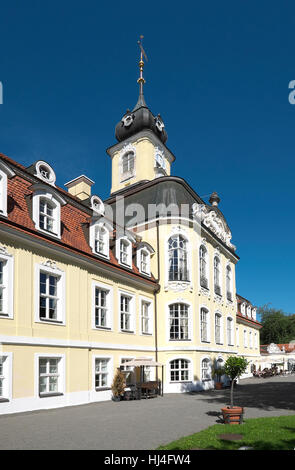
[(214, 222)]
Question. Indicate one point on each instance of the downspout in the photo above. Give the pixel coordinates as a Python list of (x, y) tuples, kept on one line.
[(155, 297)]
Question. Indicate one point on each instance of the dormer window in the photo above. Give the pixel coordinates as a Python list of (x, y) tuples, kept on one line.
[(97, 205), (99, 237), (47, 219), (5, 172), (243, 308), (45, 172), (143, 257), (46, 208), (124, 251)]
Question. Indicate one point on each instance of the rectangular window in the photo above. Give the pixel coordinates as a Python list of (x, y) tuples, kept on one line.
[(218, 328), (48, 296), (101, 373), (5, 377), (178, 322), (46, 216), (101, 308), (123, 252), (179, 370), (204, 325), (229, 332), (6, 285), (146, 317), (49, 376), (126, 313), (144, 262)]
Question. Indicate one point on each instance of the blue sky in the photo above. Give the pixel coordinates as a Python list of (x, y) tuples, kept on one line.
[(218, 74)]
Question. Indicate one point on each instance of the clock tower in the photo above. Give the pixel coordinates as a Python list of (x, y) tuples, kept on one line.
[(141, 153)]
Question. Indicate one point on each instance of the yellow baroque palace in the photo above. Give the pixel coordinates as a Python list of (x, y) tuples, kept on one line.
[(87, 285)]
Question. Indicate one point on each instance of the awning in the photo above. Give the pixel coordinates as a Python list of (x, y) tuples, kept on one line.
[(142, 361)]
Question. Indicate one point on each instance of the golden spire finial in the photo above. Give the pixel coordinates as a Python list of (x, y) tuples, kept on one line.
[(141, 80)]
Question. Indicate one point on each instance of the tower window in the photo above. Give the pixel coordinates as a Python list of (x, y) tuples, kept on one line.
[(128, 164)]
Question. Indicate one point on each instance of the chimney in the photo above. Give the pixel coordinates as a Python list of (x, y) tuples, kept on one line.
[(80, 187)]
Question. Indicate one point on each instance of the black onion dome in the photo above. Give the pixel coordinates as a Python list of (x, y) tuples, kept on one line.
[(137, 120)]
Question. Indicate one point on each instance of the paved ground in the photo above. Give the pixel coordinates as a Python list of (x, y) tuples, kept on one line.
[(143, 424)]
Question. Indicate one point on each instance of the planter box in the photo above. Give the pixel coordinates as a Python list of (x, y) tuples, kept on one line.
[(233, 415)]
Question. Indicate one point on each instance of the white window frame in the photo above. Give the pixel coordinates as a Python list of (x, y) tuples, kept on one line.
[(61, 373), (208, 340), (219, 314), (208, 368), (249, 311), (245, 337), (229, 283), (94, 229), (148, 261), (200, 271), (131, 296), (230, 341), (61, 294), (237, 336), (110, 372), (6, 395), (186, 250), (40, 192), (109, 305), (189, 369), (189, 320), (243, 308), (146, 300), (5, 173), (8, 284), (128, 243), (250, 340), (124, 176), (219, 270)]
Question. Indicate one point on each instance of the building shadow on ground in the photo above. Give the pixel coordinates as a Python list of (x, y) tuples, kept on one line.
[(267, 396)]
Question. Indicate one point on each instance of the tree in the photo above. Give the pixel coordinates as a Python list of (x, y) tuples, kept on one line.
[(234, 367), (277, 326)]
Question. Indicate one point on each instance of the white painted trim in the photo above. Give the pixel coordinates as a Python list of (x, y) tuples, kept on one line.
[(179, 300), (175, 231), (129, 251), (138, 260), (44, 192), (132, 311), (61, 286), (218, 312), (110, 305), (95, 226), (66, 343), (8, 274), (61, 371), (110, 371), (204, 306), (232, 330), (168, 369), (151, 315), (209, 360), (8, 371)]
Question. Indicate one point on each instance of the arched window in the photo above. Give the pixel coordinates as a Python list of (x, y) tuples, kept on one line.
[(203, 267), (178, 270), (206, 369), (218, 328), (204, 325), (178, 322), (127, 164), (144, 263), (124, 255), (229, 283), (229, 324), (46, 209), (217, 287), (179, 370)]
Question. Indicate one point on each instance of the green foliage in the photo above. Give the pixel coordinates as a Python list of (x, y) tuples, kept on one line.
[(260, 433), (235, 366), (277, 327), (218, 372), (118, 384)]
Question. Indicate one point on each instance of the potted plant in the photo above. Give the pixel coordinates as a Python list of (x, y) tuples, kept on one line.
[(234, 367), (118, 386), (217, 373)]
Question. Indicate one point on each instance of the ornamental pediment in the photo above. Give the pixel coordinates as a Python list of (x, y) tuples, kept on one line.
[(214, 220)]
